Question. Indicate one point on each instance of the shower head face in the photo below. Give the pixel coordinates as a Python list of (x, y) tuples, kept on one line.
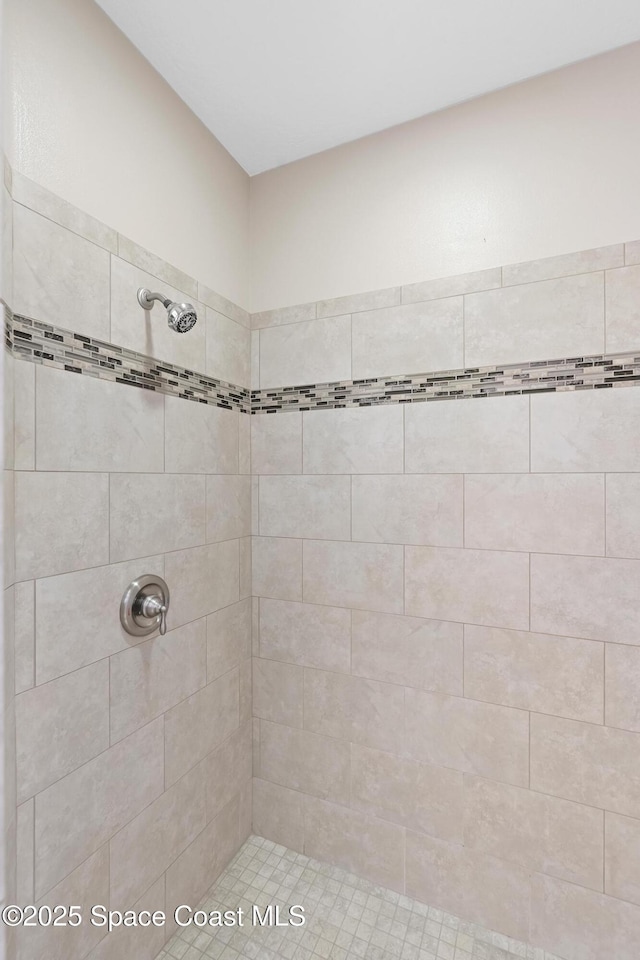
[(182, 317)]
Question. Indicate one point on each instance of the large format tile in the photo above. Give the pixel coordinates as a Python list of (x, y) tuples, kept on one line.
[(276, 443), (366, 440), (623, 515), (479, 887), (304, 761), (227, 770), (585, 431), (316, 351), (622, 686), (585, 762), (147, 331), (59, 726), (166, 273), (153, 676), (59, 277), (297, 313), (88, 424), (196, 726), (350, 708), (565, 265), (143, 943), (411, 338), (228, 638), (24, 426), (468, 437), (308, 634), (62, 641), (200, 438), (472, 737), (579, 924), (278, 814), (523, 322), (541, 513), (155, 513), (277, 692), (313, 507), (228, 507), (622, 296), (228, 349), (622, 857), (414, 795), (62, 522), (598, 599), (452, 286), (557, 675), (202, 580), (553, 836), (146, 846), (355, 302), (277, 568), (408, 509), (367, 576), (474, 586), (371, 848), (407, 650), (89, 805)]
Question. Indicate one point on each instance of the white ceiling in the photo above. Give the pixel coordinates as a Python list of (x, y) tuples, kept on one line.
[(276, 80)]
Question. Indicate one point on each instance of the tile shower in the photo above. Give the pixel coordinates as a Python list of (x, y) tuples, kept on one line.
[(403, 647)]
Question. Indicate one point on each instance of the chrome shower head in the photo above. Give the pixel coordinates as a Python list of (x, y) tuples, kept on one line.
[(181, 317)]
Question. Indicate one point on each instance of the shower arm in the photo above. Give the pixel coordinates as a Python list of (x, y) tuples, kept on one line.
[(146, 299)]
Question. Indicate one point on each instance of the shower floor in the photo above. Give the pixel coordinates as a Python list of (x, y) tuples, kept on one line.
[(346, 918)]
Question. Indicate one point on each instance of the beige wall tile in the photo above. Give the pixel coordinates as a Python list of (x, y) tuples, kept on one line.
[(50, 270), (408, 509), (277, 692), (411, 338), (557, 675), (228, 349), (89, 805), (255, 360), (200, 438), (622, 857), (24, 635), (411, 794), (582, 925), (154, 513), (585, 431), (8, 532), (586, 597), (198, 725), (521, 322), (543, 513), (246, 560), (62, 640), (366, 440), (317, 351), (473, 737), (469, 884), (350, 708), (24, 378), (276, 443), (373, 849), (632, 252), (566, 265), (407, 650), (622, 686), (277, 568), (228, 507), (153, 676), (373, 300), (87, 424), (307, 634), (452, 286), (623, 515), (278, 814), (59, 726), (228, 638), (295, 314), (246, 694), (475, 586), (202, 580), (227, 307), (25, 815), (366, 576), (468, 437), (140, 942), (195, 870), (313, 507), (305, 761), (552, 836), (84, 887), (62, 522), (165, 272), (622, 296), (582, 761), (149, 844), (244, 443), (227, 770), (147, 331)]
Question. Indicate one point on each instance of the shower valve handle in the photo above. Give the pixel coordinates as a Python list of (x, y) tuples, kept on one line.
[(152, 607), (144, 606)]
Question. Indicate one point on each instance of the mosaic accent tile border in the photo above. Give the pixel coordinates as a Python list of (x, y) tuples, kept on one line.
[(65, 350), (539, 376)]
